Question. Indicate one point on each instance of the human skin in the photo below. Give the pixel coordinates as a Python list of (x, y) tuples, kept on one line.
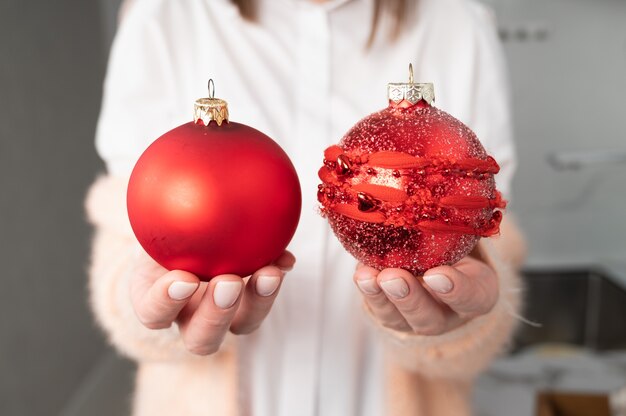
[(205, 311), (442, 299)]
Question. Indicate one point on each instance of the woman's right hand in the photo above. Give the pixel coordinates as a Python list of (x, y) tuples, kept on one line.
[(205, 311)]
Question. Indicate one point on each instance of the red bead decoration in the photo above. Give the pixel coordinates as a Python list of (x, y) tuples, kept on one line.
[(214, 199), (410, 187)]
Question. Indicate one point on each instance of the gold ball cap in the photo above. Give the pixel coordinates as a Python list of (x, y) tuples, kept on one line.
[(207, 109)]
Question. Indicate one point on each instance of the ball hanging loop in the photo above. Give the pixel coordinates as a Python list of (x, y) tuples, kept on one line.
[(211, 88), (411, 74)]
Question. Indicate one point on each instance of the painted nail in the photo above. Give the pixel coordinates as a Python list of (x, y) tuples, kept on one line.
[(181, 290), (438, 283), (226, 293), (266, 285), (368, 286), (396, 288)]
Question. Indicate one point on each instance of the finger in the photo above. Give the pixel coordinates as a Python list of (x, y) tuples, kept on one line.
[(258, 298), (204, 329), (379, 305), (157, 302), (423, 314), (286, 261), (470, 287)]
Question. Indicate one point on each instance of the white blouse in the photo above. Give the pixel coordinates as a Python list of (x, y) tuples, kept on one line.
[(302, 75)]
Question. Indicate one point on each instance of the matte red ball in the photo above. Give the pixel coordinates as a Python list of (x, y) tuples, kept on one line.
[(214, 199), (409, 187)]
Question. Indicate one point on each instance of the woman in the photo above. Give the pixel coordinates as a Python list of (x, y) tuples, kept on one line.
[(302, 72)]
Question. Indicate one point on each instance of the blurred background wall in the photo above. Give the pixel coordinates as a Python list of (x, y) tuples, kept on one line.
[(567, 61), (52, 58)]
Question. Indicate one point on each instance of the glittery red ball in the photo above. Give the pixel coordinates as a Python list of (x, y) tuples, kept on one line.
[(410, 188), (214, 199)]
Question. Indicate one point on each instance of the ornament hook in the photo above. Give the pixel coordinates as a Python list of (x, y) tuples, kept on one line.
[(410, 73), (211, 87)]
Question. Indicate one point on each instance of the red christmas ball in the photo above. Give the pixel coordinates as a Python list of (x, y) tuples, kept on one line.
[(214, 199), (410, 186)]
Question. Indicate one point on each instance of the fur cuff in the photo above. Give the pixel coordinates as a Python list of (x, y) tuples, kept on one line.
[(106, 205)]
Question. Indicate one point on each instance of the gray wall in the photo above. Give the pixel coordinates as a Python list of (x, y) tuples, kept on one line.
[(569, 90), (51, 67)]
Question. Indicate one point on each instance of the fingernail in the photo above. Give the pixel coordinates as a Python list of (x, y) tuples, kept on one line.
[(439, 283), (368, 286), (225, 294), (396, 288), (181, 290), (266, 285)]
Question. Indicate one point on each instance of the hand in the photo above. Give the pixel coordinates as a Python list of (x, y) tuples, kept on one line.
[(443, 299), (205, 311)]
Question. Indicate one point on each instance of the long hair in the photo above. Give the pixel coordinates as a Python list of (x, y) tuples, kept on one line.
[(396, 9)]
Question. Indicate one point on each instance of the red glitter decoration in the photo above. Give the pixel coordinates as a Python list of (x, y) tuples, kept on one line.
[(410, 187)]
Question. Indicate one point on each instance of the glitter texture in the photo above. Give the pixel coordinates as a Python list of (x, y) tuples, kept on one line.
[(410, 187)]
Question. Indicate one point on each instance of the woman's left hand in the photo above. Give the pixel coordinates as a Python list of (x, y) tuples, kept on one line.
[(444, 298)]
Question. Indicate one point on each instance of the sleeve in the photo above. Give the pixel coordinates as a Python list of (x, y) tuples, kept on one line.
[(139, 95), (490, 99), (470, 72)]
